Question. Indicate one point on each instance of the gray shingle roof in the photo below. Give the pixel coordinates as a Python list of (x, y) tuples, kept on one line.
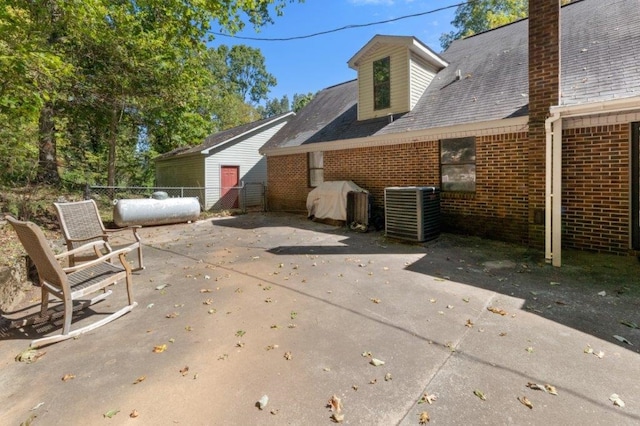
[(600, 48), (220, 137)]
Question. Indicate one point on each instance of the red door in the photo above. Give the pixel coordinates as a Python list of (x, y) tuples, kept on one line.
[(230, 177)]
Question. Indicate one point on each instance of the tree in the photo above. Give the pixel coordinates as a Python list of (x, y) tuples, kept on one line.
[(274, 107), (97, 78), (482, 15), (301, 100)]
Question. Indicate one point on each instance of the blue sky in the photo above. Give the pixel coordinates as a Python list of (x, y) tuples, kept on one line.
[(312, 64)]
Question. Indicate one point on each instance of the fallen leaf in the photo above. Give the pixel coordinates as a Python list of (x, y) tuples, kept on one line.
[(275, 326), (240, 333), (335, 404), (188, 328), (536, 386), (469, 323), (429, 399), (205, 290), (159, 349), (162, 286), (525, 401), (588, 350), (40, 404), (184, 370), (616, 400), (602, 293), (274, 412), (622, 339), (109, 414), (134, 414), (68, 377), (376, 362), (212, 311), (293, 315), (268, 300), (208, 302), (172, 315), (529, 349), (262, 402), (287, 355), (629, 324), (240, 345), (354, 387), (367, 354), (29, 356), (29, 420), (550, 389), (387, 377), (424, 418), (139, 379), (497, 310), (337, 418), (373, 381), (376, 300), (480, 394)]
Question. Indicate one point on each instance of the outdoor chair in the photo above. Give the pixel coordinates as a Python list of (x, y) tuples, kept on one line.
[(72, 283), (80, 223)]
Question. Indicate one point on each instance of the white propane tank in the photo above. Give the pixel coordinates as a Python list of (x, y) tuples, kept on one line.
[(148, 211)]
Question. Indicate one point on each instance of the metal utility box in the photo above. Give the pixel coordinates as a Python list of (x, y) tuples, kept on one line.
[(412, 212)]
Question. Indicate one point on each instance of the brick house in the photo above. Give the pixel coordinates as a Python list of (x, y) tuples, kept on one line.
[(531, 130)]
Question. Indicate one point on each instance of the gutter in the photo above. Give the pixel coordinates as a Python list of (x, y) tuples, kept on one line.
[(553, 164), (480, 128)]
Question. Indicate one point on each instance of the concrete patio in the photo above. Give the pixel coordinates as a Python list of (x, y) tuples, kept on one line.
[(276, 305)]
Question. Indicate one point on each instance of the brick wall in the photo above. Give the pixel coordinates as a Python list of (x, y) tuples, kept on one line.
[(595, 184), (544, 92), (287, 183), (595, 193), (497, 210)]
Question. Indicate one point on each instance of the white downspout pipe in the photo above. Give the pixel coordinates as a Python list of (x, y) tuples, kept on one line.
[(553, 189)]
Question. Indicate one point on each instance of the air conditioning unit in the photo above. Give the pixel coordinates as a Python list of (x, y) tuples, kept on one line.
[(412, 212)]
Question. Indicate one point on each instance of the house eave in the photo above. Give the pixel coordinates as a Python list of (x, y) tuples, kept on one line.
[(410, 42), (507, 125)]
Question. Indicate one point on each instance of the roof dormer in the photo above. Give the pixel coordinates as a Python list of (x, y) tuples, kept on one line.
[(393, 73)]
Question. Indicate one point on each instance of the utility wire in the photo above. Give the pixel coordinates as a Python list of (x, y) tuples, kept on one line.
[(346, 27)]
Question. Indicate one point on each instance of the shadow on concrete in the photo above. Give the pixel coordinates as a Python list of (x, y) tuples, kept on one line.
[(598, 294)]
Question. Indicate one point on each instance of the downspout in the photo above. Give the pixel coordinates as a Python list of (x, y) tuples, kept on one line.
[(553, 189)]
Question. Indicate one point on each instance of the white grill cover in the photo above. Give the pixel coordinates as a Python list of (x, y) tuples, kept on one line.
[(329, 199)]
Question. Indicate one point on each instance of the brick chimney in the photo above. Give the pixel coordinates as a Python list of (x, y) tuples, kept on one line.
[(544, 91)]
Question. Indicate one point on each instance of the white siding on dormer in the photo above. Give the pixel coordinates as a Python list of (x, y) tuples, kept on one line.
[(399, 58), (421, 75)]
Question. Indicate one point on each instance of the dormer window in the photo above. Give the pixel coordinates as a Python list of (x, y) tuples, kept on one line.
[(382, 83)]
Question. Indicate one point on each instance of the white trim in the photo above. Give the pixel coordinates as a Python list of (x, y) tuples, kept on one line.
[(553, 163), (481, 128), (410, 42)]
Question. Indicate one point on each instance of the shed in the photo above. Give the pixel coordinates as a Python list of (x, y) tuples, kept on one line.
[(225, 160)]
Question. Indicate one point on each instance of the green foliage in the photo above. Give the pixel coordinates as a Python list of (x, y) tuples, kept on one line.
[(274, 107), (482, 15), (102, 86), (301, 100)]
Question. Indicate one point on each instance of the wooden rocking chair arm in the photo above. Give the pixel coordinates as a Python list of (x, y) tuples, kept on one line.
[(82, 248), (97, 261)]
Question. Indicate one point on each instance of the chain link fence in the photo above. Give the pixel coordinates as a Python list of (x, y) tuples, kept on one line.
[(248, 196)]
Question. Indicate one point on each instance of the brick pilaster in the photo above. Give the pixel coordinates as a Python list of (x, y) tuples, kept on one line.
[(544, 91)]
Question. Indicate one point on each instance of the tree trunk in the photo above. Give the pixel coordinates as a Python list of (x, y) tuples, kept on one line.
[(113, 138), (47, 160)]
